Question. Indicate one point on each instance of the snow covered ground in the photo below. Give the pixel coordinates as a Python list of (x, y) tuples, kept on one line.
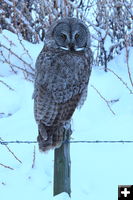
[(97, 169)]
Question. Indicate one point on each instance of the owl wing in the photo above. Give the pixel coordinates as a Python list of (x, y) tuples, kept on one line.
[(45, 109)]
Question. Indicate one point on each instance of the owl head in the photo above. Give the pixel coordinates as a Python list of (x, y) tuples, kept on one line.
[(69, 34)]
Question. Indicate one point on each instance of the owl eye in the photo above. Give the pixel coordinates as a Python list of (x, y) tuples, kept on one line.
[(76, 36), (63, 36)]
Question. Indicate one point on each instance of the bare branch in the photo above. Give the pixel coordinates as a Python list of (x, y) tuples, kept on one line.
[(12, 152), (34, 157), (19, 58), (6, 85), (127, 62), (8, 167), (106, 101), (123, 82)]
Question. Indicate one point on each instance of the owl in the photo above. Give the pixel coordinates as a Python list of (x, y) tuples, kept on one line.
[(62, 73)]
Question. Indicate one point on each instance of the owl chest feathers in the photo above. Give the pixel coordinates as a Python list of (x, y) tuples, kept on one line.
[(68, 66), (64, 75), (68, 76)]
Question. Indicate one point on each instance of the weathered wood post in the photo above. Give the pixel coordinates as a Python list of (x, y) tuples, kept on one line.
[(62, 166)]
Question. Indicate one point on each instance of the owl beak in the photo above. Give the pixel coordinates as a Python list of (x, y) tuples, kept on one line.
[(71, 46)]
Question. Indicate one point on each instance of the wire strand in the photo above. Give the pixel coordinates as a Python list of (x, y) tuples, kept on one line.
[(70, 141)]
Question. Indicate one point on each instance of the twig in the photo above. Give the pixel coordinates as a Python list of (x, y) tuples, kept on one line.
[(34, 157), (27, 52), (127, 61), (6, 166), (12, 152), (6, 85), (8, 49), (20, 68), (106, 101), (10, 41), (124, 83)]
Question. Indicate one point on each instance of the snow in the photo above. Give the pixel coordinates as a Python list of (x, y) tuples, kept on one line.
[(97, 169)]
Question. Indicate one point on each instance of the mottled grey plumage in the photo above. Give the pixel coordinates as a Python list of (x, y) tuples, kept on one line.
[(62, 73)]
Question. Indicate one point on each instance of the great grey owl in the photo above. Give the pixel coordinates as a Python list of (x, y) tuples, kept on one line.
[(62, 74)]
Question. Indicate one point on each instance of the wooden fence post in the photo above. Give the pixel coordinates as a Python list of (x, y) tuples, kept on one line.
[(62, 167)]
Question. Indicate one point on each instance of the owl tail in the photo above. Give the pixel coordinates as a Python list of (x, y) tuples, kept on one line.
[(50, 137)]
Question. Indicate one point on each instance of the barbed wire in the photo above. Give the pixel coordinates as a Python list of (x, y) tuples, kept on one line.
[(69, 141)]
